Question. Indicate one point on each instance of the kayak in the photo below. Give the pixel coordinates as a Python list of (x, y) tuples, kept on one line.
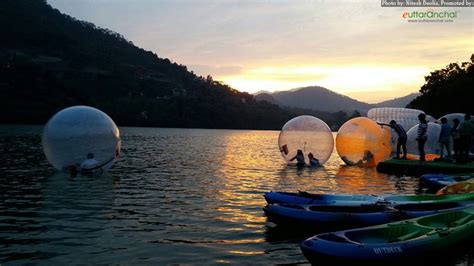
[(442, 180), (356, 215), (418, 237), (466, 187), (302, 197), (310, 198)]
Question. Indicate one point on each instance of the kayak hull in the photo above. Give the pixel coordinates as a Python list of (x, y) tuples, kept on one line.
[(350, 216), (399, 240), (310, 198), (341, 199)]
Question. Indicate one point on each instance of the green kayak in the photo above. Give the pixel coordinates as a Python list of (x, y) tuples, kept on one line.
[(424, 236)]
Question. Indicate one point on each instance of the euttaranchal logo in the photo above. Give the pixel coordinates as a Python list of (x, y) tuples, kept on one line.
[(430, 15)]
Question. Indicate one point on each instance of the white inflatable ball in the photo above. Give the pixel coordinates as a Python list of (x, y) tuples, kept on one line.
[(432, 147), (451, 117), (307, 135), (405, 117), (81, 137), (429, 118)]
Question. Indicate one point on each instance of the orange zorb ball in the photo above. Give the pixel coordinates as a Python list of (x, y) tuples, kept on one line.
[(362, 142)]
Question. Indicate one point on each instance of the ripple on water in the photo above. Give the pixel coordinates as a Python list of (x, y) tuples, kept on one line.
[(175, 196)]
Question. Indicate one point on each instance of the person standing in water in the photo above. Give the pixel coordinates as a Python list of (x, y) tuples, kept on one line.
[(299, 157), (402, 138), (445, 137), (422, 135)]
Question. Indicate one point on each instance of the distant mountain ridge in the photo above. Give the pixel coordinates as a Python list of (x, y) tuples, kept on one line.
[(264, 96), (322, 99), (400, 101)]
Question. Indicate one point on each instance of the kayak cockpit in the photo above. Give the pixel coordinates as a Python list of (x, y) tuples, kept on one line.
[(389, 234), (450, 219), (434, 206), (369, 208), (335, 238)]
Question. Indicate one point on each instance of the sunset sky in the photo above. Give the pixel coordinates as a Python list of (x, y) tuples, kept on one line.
[(356, 48)]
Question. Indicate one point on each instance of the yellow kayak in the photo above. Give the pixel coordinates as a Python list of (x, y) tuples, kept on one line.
[(458, 188)]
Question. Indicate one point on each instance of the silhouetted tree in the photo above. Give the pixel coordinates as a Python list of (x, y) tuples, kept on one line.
[(448, 90), (355, 114)]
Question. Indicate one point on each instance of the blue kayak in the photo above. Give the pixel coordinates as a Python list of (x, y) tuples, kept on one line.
[(356, 215), (302, 197), (438, 181), (340, 199), (409, 239)]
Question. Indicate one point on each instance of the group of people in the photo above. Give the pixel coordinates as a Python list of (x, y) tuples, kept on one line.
[(367, 160), (300, 159), (460, 134)]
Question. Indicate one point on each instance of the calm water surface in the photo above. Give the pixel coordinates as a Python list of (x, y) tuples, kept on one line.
[(187, 196)]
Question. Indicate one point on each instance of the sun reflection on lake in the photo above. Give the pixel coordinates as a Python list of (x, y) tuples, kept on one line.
[(184, 196)]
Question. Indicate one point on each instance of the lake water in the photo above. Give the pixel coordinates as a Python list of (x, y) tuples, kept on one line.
[(187, 196)]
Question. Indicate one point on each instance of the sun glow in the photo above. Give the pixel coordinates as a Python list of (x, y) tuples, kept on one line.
[(345, 79)]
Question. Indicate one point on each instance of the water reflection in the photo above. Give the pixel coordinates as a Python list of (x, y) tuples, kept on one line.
[(174, 196), (362, 180)]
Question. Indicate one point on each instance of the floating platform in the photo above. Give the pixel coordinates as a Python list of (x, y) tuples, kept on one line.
[(415, 168)]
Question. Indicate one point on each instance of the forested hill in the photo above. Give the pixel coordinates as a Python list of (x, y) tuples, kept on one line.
[(318, 98), (448, 90), (49, 61)]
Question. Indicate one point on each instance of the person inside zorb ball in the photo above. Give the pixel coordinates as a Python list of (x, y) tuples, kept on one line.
[(81, 139), (362, 142), (306, 140)]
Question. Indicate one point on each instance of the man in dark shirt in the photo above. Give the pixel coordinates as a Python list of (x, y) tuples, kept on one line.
[(402, 138)]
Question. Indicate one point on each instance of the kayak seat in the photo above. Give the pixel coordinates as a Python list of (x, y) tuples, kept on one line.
[(461, 221), (446, 220), (408, 236), (386, 234)]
